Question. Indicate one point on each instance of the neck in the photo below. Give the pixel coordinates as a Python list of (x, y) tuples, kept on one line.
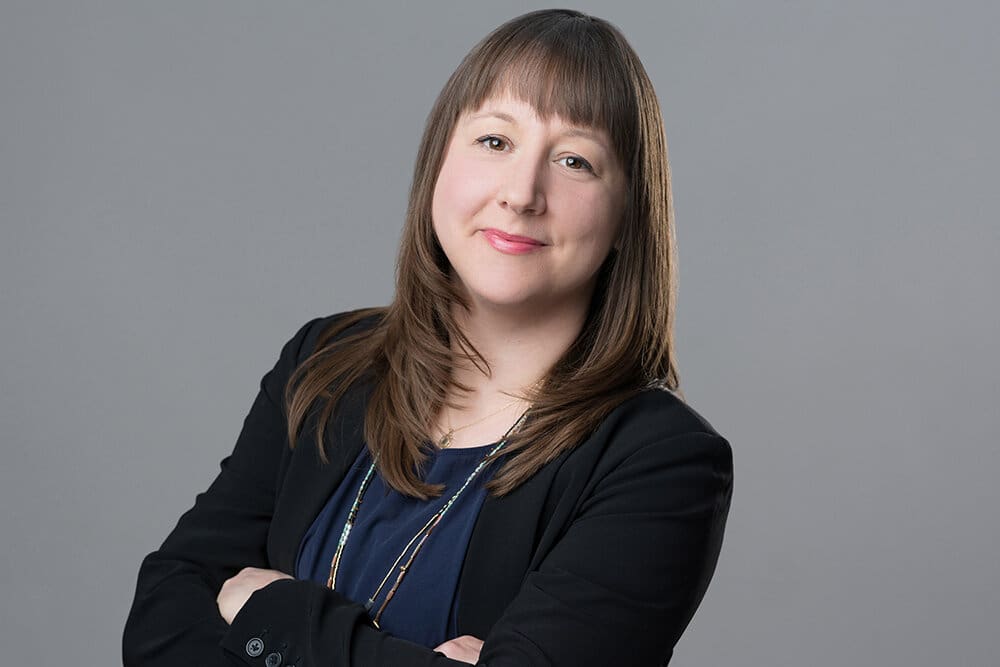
[(520, 347)]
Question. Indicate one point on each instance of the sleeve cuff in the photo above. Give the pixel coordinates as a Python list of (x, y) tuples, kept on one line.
[(274, 628)]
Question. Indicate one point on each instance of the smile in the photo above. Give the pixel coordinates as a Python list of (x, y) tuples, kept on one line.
[(511, 244)]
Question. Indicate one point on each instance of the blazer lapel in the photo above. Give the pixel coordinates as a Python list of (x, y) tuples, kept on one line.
[(308, 482), (499, 554)]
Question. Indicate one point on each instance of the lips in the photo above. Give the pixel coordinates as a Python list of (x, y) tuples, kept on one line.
[(511, 244)]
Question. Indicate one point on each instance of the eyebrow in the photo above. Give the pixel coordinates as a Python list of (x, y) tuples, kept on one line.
[(571, 132), (494, 114)]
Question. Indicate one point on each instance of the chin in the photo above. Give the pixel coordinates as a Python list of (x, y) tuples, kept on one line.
[(503, 300), (497, 293)]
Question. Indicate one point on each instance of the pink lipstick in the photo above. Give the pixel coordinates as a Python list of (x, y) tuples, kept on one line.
[(511, 244)]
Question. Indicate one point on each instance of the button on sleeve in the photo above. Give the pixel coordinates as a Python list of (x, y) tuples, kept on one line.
[(255, 647)]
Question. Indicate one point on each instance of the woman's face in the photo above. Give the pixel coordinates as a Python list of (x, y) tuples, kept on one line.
[(527, 209)]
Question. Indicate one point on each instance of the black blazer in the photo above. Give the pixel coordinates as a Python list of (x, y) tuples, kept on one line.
[(598, 559)]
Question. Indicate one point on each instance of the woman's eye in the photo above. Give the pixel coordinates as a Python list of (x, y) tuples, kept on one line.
[(576, 163), (492, 142)]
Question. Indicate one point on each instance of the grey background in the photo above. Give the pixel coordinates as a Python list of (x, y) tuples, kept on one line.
[(183, 184)]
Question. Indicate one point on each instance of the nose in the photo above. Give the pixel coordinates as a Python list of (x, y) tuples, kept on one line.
[(522, 187)]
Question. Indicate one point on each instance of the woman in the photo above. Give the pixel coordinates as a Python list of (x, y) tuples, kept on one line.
[(533, 313)]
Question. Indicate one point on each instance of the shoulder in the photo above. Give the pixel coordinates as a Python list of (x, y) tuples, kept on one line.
[(657, 424), (661, 412), (325, 329)]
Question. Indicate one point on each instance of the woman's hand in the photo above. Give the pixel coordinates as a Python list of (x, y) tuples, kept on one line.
[(237, 589), (465, 649)]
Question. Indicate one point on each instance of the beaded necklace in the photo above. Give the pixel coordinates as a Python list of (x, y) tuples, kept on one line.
[(421, 534)]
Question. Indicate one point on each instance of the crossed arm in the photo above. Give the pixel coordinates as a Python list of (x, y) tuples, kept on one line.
[(657, 516), (237, 590)]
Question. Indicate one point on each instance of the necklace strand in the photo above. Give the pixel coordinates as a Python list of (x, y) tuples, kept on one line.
[(422, 534), (445, 441)]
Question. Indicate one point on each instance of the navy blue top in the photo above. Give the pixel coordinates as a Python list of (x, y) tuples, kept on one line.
[(423, 608)]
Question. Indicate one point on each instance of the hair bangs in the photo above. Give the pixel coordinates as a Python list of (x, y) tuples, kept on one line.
[(564, 69)]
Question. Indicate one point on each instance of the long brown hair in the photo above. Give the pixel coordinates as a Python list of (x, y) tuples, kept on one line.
[(582, 69)]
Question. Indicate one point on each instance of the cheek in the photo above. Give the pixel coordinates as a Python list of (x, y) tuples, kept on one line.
[(612, 209), (455, 192), (594, 220)]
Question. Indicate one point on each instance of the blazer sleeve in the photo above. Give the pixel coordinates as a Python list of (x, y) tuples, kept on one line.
[(623, 582), (175, 620)]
